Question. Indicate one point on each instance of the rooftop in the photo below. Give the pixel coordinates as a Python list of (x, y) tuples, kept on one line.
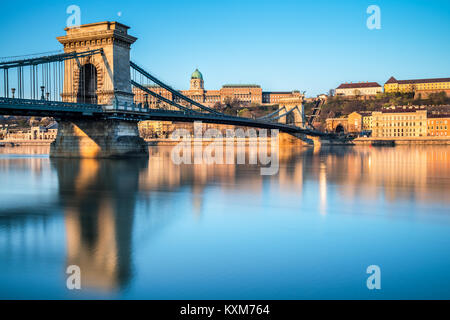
[(412, 81), (438, 115), (197, 75), (357, 85), (241, 86), (396, 109)]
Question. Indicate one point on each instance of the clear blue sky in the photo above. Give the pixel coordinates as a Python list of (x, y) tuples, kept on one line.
[(281, 45)]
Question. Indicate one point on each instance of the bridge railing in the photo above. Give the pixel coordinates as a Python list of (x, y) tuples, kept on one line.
[(49, 78)]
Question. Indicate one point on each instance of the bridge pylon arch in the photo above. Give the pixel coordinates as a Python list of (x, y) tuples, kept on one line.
[(112, 65), (295, 117)]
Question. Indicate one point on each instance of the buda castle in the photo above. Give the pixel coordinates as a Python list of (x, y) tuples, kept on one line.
[(246, 93)]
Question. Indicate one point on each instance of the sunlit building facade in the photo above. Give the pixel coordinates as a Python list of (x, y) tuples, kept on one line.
[(397, 122), (360, 121), (419, 86), (246, 93), (358, 89), (439, 125)]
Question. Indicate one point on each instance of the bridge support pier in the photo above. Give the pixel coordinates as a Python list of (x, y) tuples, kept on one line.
[(294, 139), (98, 139)]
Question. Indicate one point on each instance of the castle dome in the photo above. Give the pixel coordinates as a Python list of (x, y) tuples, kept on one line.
[(197, 75)]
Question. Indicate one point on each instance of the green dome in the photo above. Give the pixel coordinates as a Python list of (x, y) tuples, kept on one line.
[(197, 75)]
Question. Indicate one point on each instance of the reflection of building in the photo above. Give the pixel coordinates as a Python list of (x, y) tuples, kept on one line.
[(358, 89), (419, 86), (246, 93), (439, 125), (400, 122)]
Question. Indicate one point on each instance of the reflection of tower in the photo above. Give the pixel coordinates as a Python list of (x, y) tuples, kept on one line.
[(99, 200)]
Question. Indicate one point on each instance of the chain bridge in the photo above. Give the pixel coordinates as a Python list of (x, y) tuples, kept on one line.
[(98, 95)]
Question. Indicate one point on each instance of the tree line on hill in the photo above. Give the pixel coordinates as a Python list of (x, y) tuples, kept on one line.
[(235, 107)]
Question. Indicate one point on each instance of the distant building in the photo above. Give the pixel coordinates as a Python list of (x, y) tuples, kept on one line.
[(358, 89), (246, 93), (394, 122), (38, 133), (355, 122), (419, 86), (360, 121), (276, 97), (438, 125), (338, 125)]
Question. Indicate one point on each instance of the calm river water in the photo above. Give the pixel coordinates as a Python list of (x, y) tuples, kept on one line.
[(156, 230)]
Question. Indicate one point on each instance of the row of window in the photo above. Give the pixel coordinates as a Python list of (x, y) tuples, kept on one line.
[(385, 118), (402, 134), (437, 134), (401, 130), (438, 122), (399, 124)]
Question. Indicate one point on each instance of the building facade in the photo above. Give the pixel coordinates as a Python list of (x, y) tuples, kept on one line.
[(360, 121), (338, 125), (38, 133), (419, 86), (397, 122), (438, 125), (358, 89), (246, 93)]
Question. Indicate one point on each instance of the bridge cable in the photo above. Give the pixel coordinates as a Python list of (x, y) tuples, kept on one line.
[(174, 92)]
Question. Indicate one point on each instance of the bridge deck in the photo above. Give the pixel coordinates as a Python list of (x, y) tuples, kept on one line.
[(66, 110)]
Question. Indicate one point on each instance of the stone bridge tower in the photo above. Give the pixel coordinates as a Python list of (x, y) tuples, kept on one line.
[(99, 78), (297, 117)]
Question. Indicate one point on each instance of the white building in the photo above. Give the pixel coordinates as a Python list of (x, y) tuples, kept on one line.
[(359, 89)]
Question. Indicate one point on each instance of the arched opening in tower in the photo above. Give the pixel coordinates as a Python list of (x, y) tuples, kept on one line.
[(87, 84)]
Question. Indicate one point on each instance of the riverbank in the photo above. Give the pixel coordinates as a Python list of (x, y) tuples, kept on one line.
[(403, 141), (203, 141), (25, 143)]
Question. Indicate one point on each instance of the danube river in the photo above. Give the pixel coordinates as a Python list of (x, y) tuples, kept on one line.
[(156, 230)]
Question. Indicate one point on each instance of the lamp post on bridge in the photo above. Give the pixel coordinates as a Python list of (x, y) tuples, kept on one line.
[(13, 91), (42, 95)]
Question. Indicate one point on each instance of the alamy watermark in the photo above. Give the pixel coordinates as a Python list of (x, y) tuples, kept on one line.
[(374, 20), (228, 149), (374, 280), (73, 281), (74, 19)]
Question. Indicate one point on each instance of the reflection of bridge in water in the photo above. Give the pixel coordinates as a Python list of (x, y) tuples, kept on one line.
[(88, 90), (107, 208)]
